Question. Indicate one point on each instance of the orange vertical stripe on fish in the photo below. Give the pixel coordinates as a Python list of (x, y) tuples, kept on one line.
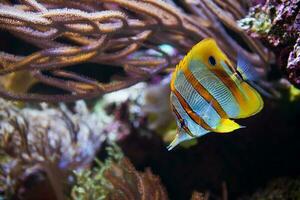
[(196, 118), (204, 93), (181, 121)]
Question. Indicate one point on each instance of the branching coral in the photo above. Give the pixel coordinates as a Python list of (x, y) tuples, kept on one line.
[(117, 179), (49, 142), (91, 183), (130, 184), (51, 150), (121, 33)]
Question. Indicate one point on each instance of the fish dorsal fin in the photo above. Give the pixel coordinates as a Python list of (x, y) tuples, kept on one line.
[(250, 75), (253, 104), (247, 71)]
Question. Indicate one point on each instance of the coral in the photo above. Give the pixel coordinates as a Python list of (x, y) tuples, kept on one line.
[(143, 37), (50, 151), (127, 183), (155, 105), (293, 66), (277, 23), (281, 188), (121, 111), (143, 107), (117, 179), (199, 196), (45, 144), (91, 183), (268, 146), (255, 2)]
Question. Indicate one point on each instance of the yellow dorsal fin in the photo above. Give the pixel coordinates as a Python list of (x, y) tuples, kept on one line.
[(253, 104)]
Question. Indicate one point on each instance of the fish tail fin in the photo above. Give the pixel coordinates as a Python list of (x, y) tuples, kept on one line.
[(227, 125), (180, 137)]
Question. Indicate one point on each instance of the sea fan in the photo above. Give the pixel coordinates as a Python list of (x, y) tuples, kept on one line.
[(142, 37)]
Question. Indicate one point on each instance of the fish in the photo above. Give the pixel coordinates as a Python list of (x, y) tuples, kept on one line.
[(18, 82), (208, 92)]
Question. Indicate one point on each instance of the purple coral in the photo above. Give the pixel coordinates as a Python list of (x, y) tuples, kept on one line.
[(48, 142), (293, 67), (277, 23)]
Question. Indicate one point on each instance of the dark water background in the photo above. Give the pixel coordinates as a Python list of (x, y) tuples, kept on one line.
[(246, 159)]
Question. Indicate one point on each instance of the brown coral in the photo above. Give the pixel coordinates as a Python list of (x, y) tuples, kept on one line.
[(121, 33), (198, 196), (293, 66), (130, 184), (279, 188)]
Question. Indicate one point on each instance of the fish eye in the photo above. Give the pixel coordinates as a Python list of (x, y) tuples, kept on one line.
[(212, 60)]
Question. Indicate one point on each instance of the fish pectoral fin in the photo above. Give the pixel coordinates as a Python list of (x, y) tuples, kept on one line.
[(227, 125)]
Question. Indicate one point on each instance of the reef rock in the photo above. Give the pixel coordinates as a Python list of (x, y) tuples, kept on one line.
[(277, 23)]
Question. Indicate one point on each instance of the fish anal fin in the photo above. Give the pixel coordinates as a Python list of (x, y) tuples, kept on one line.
[(227, 125)]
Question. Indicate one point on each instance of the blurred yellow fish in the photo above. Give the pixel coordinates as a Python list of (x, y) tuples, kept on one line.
[(18, 82), (207, 92)]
